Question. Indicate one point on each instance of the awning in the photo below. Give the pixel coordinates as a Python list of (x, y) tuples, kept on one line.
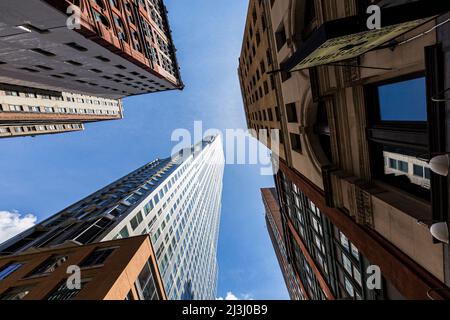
[(348, 38)]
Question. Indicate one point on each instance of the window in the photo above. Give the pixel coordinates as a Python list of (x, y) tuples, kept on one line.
[(10, 268), (15, 108), (398, 132), (291, 113), (349, 287), (357, 276), (270, 114), (418, 171), (50, 265), (123, 233), (98, 257), (427, 173), (355, 251), (12, 93), (64, 293), (145, 284), (347, 264), (285, 75), (393, 164), (403, 166), (136, 221), (129, 296), (16, 293), (266, 87), (277, 114), (280, 36), (344, 241), (148, 207), (296, 143)]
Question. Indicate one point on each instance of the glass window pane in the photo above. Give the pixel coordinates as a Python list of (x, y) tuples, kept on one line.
[(418, 171), (9, 269), (349, 287), (344, 241), (49, 265), (347, 264), (357, 276), (355, 252), (403, 101)]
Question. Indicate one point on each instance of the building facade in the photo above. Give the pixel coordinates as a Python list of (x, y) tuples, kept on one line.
[(354, 100), (275, 227), (259, 87), (109, 49), (86, 55), (124, 269), (177, 201), (30, 111)]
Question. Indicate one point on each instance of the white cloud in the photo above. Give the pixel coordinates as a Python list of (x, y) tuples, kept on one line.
[(12, 223), (231, 296)]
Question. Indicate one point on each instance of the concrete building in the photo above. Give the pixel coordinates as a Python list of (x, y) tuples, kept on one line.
[(30, 111), (353, 96), (84, 54), (177, 201), (417, 171), (121, 48), (275, 227), (124, 269)]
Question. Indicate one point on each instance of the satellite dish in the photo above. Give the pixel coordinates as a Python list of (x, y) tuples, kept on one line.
[(440, 165), (440, 231)]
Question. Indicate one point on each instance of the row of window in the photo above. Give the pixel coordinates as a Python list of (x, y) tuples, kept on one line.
[(403, 166), (38, 109), (266, 115), (95, 259), (128, 34), (39, 128), (145, 283), (339, 260)]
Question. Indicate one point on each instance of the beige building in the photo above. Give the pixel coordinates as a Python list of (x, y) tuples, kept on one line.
[(30, 111), (124, 269), (354, 95), (259, 87)]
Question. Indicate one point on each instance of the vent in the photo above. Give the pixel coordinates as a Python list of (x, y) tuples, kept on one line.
[(74, 63), (43, 52), (101, 58), (43, 67), (76, 46)]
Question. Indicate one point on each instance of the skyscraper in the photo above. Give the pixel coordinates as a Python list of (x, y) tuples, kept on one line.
[(275, 227), (177, 201), (85, 54), (120, 48)]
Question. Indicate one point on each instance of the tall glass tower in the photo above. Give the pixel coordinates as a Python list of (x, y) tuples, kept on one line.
[(177, 201)]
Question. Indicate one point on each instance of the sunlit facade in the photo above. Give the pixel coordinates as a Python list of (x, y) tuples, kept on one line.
[(177, 201)]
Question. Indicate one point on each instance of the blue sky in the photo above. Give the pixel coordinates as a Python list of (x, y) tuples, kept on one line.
[(45, 174)]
